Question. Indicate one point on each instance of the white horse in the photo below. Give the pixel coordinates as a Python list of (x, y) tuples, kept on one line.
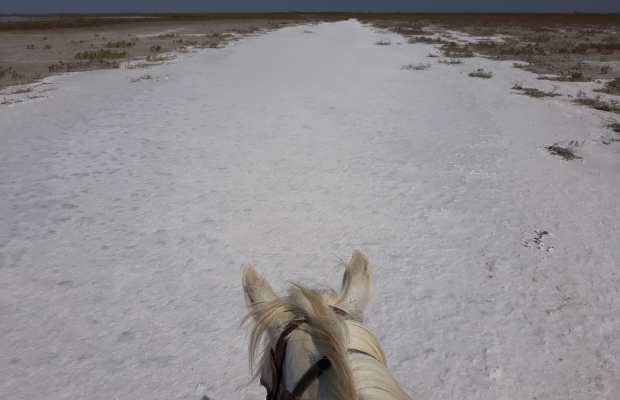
[(315, 343)]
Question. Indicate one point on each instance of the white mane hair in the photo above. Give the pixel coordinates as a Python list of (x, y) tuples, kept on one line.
[(324, 334)]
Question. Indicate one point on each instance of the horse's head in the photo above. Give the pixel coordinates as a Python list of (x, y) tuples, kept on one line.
[(354, 296), (310, 332)]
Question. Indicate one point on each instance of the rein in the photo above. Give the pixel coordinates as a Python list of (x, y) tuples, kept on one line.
[(277, 364)]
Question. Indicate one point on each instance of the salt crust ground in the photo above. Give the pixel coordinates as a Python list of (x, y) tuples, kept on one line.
[(128, 211)]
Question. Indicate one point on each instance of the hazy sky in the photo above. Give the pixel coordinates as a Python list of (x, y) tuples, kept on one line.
[(137, 6)]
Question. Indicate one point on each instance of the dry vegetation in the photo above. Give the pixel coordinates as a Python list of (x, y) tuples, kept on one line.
[(531, 92), (611, 87), (120, 44), (456, 50), (568, 152), (481, 73), (416, 67), (559, 45), (425, 39), (100, 55), (451, 61), (597, 102)]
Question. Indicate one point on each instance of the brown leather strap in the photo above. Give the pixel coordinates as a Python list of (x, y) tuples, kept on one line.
[(340, 312), (304, 383), (277, 364), (277, 358)]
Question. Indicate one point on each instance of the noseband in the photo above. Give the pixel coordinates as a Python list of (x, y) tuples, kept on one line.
[(277, 364)]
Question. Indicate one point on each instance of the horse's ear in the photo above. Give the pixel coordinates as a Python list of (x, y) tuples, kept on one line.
[(356, 286), (255, 287)]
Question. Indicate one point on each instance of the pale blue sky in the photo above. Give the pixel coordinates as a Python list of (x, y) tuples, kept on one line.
[(155, 6)]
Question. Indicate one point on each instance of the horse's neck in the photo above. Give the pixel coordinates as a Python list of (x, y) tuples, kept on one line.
[(301, 355)]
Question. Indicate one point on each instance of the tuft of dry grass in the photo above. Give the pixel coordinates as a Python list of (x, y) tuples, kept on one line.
[(100, 55), (614, 126), (597, 102), (611, 87), (383, 42), (143, 77), (455, 50), (567, 153), (572, 76), (30, 47), (160, 58), (481, 73), (531, 92), (118, 45), (10, 73), (22, 90), (82, 65), (425, 39), (416, 67), (451, 61)]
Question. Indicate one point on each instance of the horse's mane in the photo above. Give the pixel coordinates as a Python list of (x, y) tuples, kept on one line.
[(333, 336)]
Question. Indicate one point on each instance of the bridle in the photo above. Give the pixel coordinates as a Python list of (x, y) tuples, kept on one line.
[(277, 364)]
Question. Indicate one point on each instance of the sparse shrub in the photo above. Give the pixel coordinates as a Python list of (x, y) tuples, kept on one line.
[(568, 153), (432, 55), (451, 61), (10, 72), (101, 54), (519, 65), (416, 67), (30, 47), (407, 30), (531, 92), (155, 48), (572, 76), (425, 39), (212, 45), (605, 69), (597, 102), (22, 90), (611, 87), (456, 50), (383, 42), (118, 45), (82, 65), (44, 38), (47, 47), (614, 126), (481, 73), (160, 58), (576, 76), (147, 76)]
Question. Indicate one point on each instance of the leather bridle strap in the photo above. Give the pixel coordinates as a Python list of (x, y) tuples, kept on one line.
[(304, 383), (277, 358), (277, 363)]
